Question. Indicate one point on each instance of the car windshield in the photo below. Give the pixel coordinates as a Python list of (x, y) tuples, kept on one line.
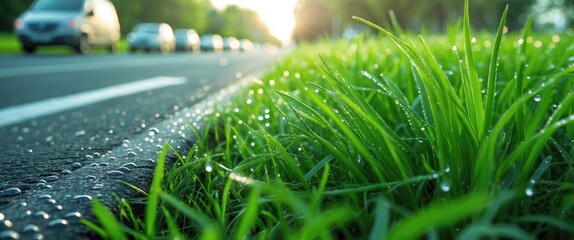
[(58, 5), (148, 27)]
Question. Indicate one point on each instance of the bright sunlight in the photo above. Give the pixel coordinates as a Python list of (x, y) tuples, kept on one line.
[(277, 14)]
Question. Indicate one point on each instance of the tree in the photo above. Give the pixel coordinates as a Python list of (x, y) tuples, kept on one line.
[(10, 11), (432, 15)]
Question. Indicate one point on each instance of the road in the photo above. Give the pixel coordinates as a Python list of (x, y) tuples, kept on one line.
[(60, 112)]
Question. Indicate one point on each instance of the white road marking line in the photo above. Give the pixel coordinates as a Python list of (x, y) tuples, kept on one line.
[(33, 110)]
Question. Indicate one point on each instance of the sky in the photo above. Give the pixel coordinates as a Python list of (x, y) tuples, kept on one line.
[(277, 14)]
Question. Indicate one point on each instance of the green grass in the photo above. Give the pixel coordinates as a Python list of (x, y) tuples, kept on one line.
[(9, 44), (391, 136)]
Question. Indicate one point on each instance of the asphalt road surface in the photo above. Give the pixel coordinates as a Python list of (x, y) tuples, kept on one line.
[(61, 115)]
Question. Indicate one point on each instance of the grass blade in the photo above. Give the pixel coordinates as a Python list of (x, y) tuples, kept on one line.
[(152, 206), (438, 215)]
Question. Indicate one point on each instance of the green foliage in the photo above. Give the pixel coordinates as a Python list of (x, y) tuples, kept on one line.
[(388, 137)]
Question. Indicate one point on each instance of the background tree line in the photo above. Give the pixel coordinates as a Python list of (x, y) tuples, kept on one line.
[(197, 14), (319, 18)]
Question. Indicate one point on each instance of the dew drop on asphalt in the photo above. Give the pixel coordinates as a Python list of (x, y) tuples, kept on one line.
[(125, 169), (153, 131), (10, 192), (2, 216), (76, 165), (73, 215), (45, 196), (130, 165), (132, 154), (58, 223), (66, 172), (83, 198), (98, 186), (104, 164), (30, 228), (41, 215), (90, 177), (5, 224), (52, 178), (537, 98), (115, 173), (9, 234)]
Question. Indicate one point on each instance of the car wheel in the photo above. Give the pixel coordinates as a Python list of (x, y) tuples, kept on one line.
[(29, 48), (83, 46)]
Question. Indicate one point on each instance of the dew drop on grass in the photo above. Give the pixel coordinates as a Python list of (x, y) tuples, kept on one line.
[(529, 192), (208, 167), (445, 187), (537, 98)]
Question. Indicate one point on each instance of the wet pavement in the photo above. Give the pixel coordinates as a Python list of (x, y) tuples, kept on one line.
[(53, 206), (52, 167)]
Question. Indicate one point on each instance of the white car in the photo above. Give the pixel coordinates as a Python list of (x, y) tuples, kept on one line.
[(81, 24), (151, 36)]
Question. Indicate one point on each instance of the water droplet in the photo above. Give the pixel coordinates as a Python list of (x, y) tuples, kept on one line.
[(125, 169), (41, 215), (1, 216), (130, 165), (445, 187), (83, 198), (153, 131), (30, 228), (98, 186), (5, 224), (132, 154), (115, 173), (9, 234), (58, 223), (447, 169), (66, 172), (537, 98), (73, 216), (208, 167), (529, 192), (90, 177), (52, 178), (45, 196), (10, 192)]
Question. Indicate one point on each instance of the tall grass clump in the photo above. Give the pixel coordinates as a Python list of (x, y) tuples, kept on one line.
[(389, 136)]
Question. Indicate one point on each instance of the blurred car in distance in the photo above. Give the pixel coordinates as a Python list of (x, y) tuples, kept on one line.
[(211, 42), (186, 40), (231, 44), (151, 36), (246, 45), (81, 24)]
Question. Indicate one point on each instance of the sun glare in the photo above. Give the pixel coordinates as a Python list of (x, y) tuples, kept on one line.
[(277, 14)]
